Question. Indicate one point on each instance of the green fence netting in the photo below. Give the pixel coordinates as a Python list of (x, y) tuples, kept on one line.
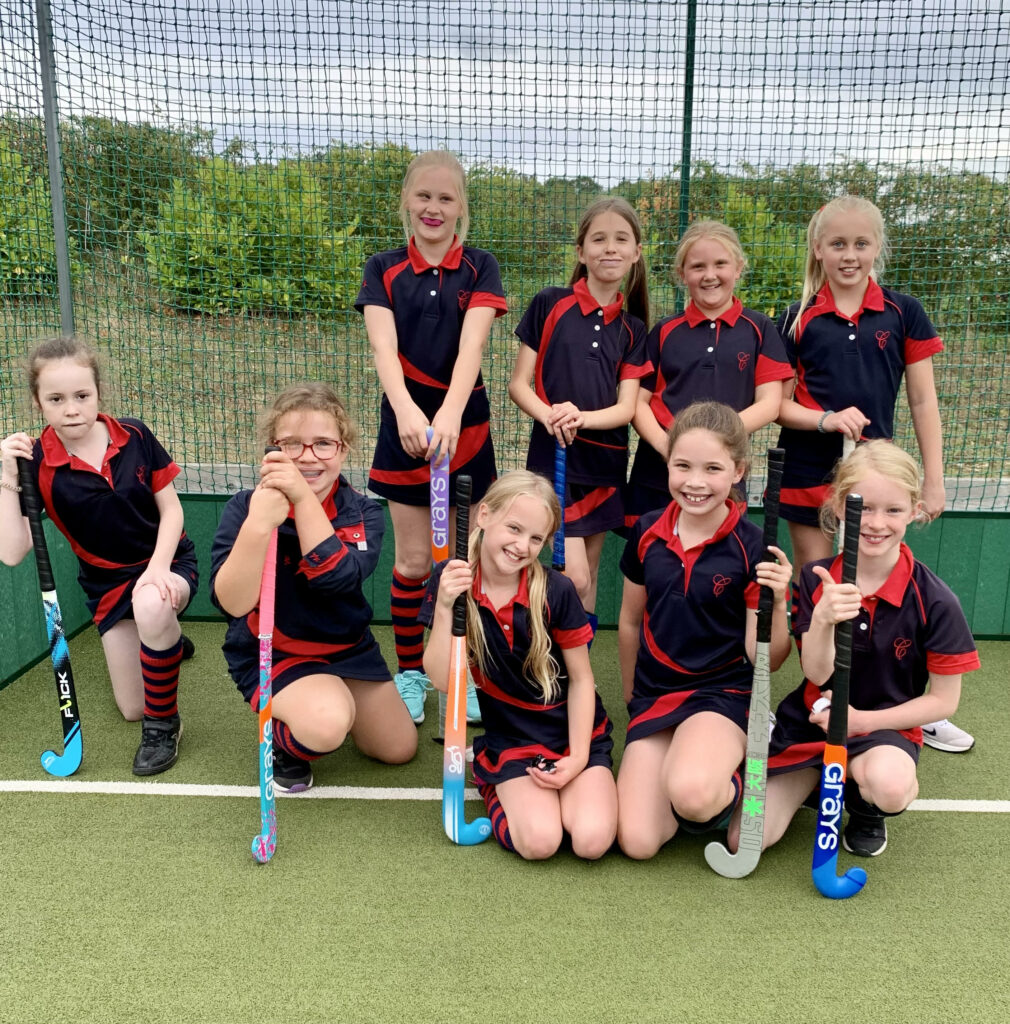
[(229, 166)]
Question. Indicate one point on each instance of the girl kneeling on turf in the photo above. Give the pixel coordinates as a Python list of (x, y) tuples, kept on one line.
[(687, 637), (107, 486), (543, 764), (910, 646), (329, 677)]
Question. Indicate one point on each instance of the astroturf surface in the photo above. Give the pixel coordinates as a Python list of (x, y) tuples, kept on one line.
[(150, 908)]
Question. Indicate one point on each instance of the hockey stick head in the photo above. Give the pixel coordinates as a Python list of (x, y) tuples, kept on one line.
[(62, 765)]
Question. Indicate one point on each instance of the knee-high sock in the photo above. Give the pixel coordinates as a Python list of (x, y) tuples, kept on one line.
[(405, 599), (160, 672)]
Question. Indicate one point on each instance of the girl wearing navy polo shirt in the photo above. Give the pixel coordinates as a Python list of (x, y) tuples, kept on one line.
[(543, 764), (850, 346), (910, 646), (107, 486), (329, 677), (428, 310), (716, 350), (583, 348), (687, 637)]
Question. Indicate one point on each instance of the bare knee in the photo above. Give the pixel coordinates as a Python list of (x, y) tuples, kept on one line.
[(699, 799), (637, 843), (393, 749), (583, 581), (154, 616), (591, 840), (327, 727), (893, 795), (537, 840)]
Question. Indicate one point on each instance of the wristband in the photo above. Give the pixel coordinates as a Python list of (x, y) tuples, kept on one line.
[(824, 416)]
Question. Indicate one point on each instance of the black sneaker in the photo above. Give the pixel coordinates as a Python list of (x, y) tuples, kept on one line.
[(159, 745), (291, 774), (188, 647), (865, 835)]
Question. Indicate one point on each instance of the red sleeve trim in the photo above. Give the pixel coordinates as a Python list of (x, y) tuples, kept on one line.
[(488, 299), (769, 370), (569, 638), (311, 571), (161, 478), (952, 664), (916, 351), (751, 595), (630, 372)]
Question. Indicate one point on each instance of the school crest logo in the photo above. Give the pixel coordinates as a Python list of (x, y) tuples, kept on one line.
[(742, 359), (720, 583), (464, 298), (141, 473), (901, 647), (882, 337)]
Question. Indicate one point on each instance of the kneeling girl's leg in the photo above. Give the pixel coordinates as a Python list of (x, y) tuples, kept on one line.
[(157, 623), (533, 815), (121, 645), (645, 819), (701, 768), (314, 713), (382, 727), (886, 778), (589, 811)]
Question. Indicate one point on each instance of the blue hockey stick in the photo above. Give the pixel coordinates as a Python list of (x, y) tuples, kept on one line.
[(560, 472)]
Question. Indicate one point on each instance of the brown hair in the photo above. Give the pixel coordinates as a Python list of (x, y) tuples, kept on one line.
[(722, 421), (64, 347), (636, 299), (436, 158), (313, 395), (539, 668)]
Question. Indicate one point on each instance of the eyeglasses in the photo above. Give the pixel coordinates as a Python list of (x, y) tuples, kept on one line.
[(324, 449)]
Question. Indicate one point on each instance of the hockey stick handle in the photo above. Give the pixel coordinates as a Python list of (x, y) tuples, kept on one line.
[(464, 489), (268, 581), (838, 725), (773, 494), (560, 486), (33, 509)]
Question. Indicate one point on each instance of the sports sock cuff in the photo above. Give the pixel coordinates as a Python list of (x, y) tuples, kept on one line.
[(284, 738)]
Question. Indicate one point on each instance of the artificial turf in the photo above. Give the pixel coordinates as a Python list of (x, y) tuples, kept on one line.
[(127, 908)]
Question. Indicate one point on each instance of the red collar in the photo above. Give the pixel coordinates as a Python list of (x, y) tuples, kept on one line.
[(55, 454), (873, 298), (665, 526), (589, 305), (893, 590), (450, 261), (521, 596), (729, 317)]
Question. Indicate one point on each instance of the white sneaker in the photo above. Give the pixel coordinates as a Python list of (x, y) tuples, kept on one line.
[(945, 735)]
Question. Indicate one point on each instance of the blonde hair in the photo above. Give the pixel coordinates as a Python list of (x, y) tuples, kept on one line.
[(423, 162), (637, 298), (813, 273), (879, 456), (539, 668), (313, 395), (718, 232), (64, 347)]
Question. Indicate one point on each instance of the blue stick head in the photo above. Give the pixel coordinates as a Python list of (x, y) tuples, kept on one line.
[(62, 765)]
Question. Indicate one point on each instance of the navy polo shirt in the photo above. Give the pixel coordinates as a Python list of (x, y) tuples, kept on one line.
[(429, 304), (320, 608), (911, 626), (512, 708), (109, 515), (696, 601), (857, 360), (698, 359), (584, 350)]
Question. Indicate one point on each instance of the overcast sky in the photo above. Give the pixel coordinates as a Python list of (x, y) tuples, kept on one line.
[(547, 87)]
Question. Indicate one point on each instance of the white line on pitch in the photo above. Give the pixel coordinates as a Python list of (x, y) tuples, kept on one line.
[(195, 789), (358, 793)]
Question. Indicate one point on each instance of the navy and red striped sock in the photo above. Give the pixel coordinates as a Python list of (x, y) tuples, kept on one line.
[(160, 672), (285, 739), (405, 599), (499, 823)]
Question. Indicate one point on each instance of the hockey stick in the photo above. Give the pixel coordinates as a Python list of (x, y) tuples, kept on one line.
[(848, 447), (453, 759), (832, 795), (69, 761), (265, 843), (752, 820), (439, 500), (560, 470)]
